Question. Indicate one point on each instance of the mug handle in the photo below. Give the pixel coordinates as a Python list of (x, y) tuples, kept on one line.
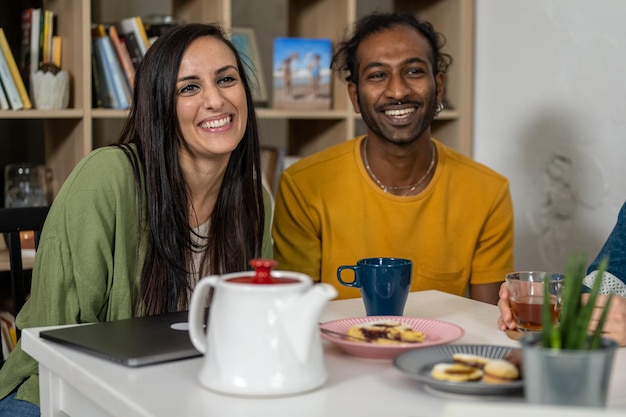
[(355, 283), (197, 310)]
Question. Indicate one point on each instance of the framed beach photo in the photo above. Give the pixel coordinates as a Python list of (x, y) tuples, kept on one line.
[(244, 41), (301, 73)]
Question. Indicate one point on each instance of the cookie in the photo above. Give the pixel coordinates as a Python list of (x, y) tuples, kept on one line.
[(455, 372), (471, 360), (500, 371)]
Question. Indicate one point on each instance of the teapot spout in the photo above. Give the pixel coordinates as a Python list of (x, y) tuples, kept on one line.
[(301, 316)]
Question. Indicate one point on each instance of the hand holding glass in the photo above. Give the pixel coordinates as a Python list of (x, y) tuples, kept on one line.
[(526, 297)]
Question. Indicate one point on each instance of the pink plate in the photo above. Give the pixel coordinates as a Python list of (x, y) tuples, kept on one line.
[(437, 333)]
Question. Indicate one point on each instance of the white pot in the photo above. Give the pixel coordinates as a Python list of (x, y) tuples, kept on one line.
[(262, 339)]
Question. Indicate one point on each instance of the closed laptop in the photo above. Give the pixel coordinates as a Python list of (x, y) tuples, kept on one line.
[(132, 342)]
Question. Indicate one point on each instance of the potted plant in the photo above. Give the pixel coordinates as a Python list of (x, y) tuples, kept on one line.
[(565, 364)]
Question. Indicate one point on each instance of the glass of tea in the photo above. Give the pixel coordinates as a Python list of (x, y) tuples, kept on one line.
[(526, 296)]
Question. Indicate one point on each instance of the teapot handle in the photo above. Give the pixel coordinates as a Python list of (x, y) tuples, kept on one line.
[(196, 312)]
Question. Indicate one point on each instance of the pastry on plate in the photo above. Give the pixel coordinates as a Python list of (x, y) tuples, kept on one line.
[(468, 367), (386, 332), (455, 372), (471, 360), (500, 371)]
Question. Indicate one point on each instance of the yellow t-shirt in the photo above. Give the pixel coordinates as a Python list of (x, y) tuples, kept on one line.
[(457, 231)]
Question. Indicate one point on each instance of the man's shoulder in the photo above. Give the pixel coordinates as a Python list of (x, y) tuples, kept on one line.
[(459, 162)]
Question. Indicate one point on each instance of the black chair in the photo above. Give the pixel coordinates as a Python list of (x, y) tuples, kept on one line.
[(12, 222)]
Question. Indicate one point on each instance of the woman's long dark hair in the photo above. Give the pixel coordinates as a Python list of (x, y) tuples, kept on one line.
[(236, 229)]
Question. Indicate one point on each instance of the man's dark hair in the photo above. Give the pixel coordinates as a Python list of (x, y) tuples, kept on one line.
[(345, 60)]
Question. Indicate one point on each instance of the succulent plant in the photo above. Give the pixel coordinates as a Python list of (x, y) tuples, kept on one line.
[(572, 330)]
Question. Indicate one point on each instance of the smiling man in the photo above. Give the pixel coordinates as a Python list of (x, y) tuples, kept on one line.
[(396, 191)]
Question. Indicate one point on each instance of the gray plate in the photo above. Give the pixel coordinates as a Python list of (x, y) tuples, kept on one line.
[(418, 363)]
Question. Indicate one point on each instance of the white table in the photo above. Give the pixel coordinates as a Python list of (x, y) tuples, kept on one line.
[(77, 384)]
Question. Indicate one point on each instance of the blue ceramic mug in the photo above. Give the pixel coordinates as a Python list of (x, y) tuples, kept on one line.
[(384, 284)]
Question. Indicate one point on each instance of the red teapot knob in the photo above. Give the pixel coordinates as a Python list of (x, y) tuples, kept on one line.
[(263, 270)]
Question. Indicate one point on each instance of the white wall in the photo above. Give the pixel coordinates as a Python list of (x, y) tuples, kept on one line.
[(550, 114)]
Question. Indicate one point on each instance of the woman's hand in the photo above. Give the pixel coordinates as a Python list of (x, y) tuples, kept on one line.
[(615, 324), (505, 321)]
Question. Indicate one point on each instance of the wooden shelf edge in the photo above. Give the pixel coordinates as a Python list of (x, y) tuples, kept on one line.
[(42, 114), (108, 114)]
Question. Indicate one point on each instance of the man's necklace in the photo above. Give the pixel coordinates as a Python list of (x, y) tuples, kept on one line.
[(410, 187)]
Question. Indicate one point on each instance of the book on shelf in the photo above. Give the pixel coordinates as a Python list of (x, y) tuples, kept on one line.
[(96, 88), (4, 103), (14, 70), (27, 24), (35, 40), (123, 55), (48, 30), (244, 40), (132, 44), (103, 91), (133, 27), (57, 49), (41, 46), (10, 88), (115, 92)]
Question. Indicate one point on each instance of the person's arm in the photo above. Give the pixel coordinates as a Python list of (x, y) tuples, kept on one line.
[(614, 280), (493, 257), (487, 293), (73, 276)]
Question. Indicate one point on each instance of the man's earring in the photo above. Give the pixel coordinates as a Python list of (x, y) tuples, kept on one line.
[(438, 109)]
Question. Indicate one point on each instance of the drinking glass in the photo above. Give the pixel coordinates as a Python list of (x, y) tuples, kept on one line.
[(26, 185), (526, 290)]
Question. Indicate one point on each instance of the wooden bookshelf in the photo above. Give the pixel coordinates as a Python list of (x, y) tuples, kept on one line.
[(71, 133)]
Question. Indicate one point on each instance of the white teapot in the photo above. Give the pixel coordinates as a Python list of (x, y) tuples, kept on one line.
[(263, 336)]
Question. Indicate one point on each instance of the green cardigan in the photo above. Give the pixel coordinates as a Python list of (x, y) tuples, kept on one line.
[(86, 267)]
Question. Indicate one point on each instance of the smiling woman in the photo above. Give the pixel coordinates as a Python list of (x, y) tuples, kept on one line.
[(178, 197)]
